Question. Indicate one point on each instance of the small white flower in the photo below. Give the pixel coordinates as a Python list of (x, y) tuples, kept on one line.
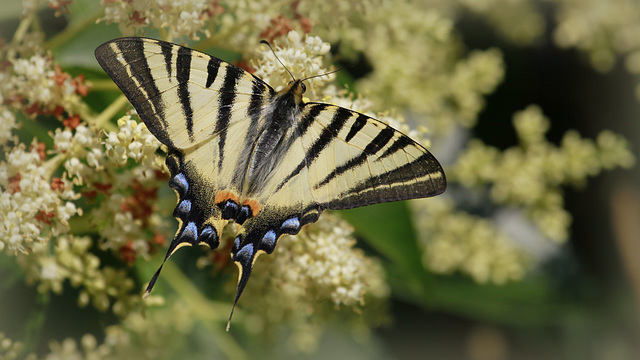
[(49, 270), (7, 124)]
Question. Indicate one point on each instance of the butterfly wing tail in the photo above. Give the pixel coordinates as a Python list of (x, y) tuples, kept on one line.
[(187, 235), (260, 235), (244, 259), (246, 249)]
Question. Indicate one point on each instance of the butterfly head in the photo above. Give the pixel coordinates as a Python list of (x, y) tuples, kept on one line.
[(296, 88), (298, 85)]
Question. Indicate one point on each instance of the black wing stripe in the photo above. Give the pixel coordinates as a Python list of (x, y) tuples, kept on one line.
[(431, 183), (405, 173), (306, 121), (212, 70), (329, 133), (183, 72), (373, 147), (400, 143), (308, 118), (144, 96), (358, 124), (379, 141), (227, 98), (254, 112), (167, 52)]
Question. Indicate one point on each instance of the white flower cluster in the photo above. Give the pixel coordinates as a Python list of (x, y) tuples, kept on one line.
[(33, 78), (304, 57), (319, 263), (604, 31), (530, 175), (71, 260), (309, 278), (32, 206), (456, 241), (179, 17), (133, 338), (87, 349), (122, 218), (82, 150), (133, 140), (121, 229), (428, 76), (36, 81), (127, 225), (326, 258)]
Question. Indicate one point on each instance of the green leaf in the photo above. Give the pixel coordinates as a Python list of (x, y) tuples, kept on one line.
[(388, 229), (530, 302)]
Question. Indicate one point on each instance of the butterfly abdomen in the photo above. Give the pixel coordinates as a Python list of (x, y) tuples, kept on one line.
[(275, 138)]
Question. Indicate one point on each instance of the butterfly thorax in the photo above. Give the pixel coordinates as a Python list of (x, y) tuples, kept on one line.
[(272, 143)]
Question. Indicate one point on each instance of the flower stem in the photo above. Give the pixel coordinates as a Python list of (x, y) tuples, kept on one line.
[(209, 312), (53, 164), (18, 36), (102, 120)]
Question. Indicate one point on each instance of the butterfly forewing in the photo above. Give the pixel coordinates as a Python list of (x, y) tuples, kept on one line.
[(352, 160), (184, 96)]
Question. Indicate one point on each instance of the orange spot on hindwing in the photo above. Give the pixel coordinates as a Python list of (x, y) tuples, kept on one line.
[(253, 205), (225, 195), (231, 207)]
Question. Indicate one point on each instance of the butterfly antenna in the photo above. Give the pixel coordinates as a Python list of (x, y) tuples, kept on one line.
[(277, 58), (327, 73)]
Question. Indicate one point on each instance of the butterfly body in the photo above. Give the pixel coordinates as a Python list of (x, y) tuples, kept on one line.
[(271, 145), (239, 150)]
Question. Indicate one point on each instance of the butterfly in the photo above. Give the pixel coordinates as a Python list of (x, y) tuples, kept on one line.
[(241, 151)]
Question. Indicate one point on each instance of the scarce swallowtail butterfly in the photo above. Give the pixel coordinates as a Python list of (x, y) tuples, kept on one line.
[(241, 151)]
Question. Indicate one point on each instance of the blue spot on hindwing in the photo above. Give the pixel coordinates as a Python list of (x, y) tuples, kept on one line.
[(207, 232), (183, 209), (291, 226), (189, 233), (209, 236), (236, 245), (229, 210), (180, 184), (245, 253), (268, 242)]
